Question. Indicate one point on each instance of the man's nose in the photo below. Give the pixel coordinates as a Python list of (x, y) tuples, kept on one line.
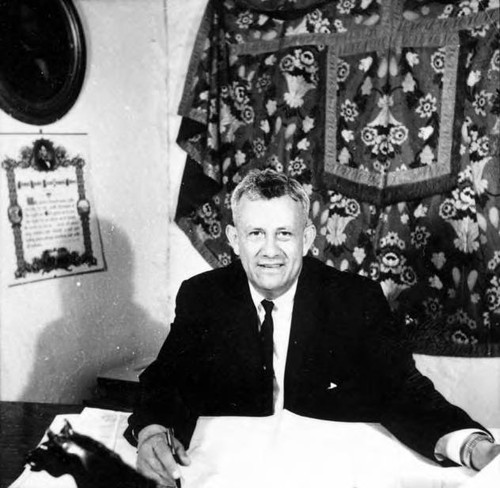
[(270, 247)]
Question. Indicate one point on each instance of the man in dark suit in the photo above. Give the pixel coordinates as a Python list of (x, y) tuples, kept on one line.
[(277, 330)]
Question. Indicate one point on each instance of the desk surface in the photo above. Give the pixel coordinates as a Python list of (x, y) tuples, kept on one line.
[(22, 426), (270, 444)]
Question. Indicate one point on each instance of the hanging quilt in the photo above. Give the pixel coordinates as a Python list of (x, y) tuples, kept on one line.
[(388, 113)]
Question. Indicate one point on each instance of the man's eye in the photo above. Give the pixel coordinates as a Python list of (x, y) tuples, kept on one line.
[(255, 233), (284, 234)]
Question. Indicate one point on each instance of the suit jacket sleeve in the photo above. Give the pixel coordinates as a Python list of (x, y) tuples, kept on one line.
[(163, 398), (414, 411)]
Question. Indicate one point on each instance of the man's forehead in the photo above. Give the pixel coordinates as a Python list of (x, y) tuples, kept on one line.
[(278, 211), (281, 200)]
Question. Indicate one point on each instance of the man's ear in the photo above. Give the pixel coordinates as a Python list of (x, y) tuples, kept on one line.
[(309, 236), (232, 237)]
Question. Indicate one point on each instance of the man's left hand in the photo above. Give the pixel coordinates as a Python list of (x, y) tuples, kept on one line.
[(484, 452)]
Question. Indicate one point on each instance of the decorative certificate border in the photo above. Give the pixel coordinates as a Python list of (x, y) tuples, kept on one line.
[(44, 166)]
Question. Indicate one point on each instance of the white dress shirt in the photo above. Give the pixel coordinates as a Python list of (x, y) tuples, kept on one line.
[(447, 447)]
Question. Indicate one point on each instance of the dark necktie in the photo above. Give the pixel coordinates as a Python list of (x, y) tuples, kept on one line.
[(267, 347)]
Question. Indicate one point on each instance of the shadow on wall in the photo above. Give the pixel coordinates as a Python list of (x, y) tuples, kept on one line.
[(100, 328)]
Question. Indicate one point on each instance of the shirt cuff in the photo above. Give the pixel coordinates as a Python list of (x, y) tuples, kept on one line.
[(450, 445)]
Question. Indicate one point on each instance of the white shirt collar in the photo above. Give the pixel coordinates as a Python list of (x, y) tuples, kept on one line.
[(283, 300)]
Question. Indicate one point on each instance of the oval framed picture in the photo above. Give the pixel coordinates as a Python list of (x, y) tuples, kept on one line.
[(43, 60)]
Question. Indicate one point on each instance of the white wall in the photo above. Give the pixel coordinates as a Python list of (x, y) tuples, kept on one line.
[(128, 107), (56, 335)]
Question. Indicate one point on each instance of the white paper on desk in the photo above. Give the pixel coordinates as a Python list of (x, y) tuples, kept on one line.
[(106, 426), (488, 477), (290, 451)]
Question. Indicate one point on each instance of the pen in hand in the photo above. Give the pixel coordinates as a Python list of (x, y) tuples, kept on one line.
[(170, 441)]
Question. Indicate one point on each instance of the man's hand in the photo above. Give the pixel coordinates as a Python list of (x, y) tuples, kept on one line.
[(154, 456), (484, 452)]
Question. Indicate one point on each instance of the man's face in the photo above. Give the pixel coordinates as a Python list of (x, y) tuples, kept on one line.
[(271, 237)]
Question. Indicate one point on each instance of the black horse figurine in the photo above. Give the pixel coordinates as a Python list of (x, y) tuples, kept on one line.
[(89, 462)]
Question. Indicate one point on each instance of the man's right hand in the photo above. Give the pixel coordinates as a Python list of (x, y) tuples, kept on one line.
[(154, 456)]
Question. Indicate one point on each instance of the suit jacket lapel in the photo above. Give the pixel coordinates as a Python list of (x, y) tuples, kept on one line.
[(305, 319), (309, 339), (241, 324)]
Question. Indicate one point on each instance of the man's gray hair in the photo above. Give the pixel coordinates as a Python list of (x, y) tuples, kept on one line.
[(266, 184)]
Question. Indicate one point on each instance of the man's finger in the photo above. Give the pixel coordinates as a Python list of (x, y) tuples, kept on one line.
[(164, 455), (151, 469), (155, 460), (181, 454)]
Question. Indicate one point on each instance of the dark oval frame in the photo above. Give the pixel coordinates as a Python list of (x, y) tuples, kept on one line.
[(49, 34)]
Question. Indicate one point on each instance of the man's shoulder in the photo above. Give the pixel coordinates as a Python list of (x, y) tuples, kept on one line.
[(320, 270), (332, 287), (323, 274), (224, 276)]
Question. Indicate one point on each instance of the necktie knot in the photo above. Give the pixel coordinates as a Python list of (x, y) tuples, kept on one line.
[(268, 306)]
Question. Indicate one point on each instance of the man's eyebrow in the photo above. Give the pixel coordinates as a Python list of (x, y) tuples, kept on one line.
[(253, 227)]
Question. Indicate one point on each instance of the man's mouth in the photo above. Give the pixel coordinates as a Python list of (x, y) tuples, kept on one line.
[(270, 265)]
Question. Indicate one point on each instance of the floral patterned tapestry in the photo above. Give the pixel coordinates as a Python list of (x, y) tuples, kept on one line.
[(388, 113)]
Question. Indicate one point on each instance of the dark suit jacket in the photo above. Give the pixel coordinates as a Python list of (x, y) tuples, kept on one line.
[(342, 332)]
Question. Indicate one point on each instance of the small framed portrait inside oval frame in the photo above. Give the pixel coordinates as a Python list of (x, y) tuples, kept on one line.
[(43, 60)]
